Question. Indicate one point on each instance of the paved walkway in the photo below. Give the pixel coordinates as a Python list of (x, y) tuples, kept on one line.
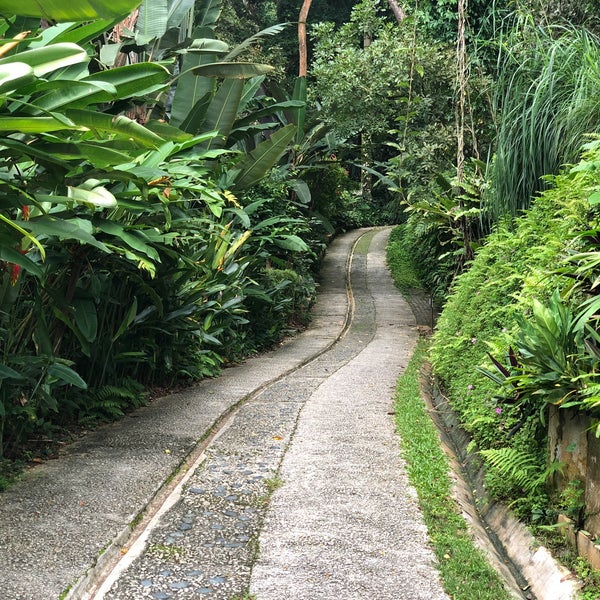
[(296, 490)]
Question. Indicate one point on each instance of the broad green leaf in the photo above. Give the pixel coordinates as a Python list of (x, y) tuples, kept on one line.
[(256, 164), (167, 131), (77, 33), (190, 89), (117, 125), (14, 256), (15, 75), (594, 199), (197, 115), (222, 111), (300, 115), (100, 155), (66, 375), (302, 190), (133, 80), (207, 12), (34, 124), (178, 10), (109, 53), (127, 321), (232, 70), (251, 87), (86, 318), (13, 225), (49, 58), (7, 373), (291, 242), (270, 110), (208, 46), (71, 229), (61, 11), (132, 238), (152, 19), (75, 94)]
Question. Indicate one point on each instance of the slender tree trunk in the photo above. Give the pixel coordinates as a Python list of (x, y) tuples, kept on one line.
[(397, 10), (303, 65)]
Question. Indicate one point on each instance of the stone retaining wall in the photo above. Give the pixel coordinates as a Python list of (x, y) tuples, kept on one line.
[(572, 442)]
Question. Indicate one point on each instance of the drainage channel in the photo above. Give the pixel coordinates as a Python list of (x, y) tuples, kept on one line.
[(198, 537)]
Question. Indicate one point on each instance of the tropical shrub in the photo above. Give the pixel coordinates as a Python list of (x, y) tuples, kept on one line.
[(515, 271), (123, 250)]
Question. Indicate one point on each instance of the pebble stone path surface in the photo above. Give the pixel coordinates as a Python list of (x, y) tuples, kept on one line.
[(300, 495)]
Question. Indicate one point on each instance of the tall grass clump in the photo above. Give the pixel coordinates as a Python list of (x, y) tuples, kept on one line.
[(547, 97)]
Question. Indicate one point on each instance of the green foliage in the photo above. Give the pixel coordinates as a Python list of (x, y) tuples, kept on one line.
[(520, 469), (547, 95), (111, 402), (517, 264), (400, 260), (121, 255), (464, 570)]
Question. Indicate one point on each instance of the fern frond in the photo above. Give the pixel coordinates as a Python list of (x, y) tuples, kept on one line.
[(520, 468)]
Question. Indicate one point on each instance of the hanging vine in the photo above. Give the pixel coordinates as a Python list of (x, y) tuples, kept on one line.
[(462, 78)]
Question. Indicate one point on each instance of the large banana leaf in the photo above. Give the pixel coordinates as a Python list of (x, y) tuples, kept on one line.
[(254, 166), (268, 111), (14, 76), (136, 80), (73, 94), (152, 21), (208, 46), (232, 70), (76, 33), (178, 9), (97, 153), (300, 115), (197, 116), (207, 12), (223, 110), (190, 89), (49, 58), (117, 125), (35, 124), (63, 229), (73, 10)]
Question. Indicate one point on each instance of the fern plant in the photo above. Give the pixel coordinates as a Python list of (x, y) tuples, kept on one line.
[(111, 402), (520, 468)]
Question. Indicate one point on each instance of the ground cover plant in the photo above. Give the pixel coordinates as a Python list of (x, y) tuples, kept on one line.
[(514, 296), (464, 570)]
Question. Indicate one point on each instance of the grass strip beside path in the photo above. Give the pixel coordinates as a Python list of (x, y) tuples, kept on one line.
[(465, 572)]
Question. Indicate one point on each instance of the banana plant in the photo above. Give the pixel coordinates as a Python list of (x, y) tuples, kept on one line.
[(60, 11)]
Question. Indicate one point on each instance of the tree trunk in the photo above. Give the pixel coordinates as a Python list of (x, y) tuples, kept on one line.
[(397, 10), (303, 65)]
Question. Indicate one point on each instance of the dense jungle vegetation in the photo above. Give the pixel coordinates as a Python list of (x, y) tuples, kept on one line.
[(170, 178)]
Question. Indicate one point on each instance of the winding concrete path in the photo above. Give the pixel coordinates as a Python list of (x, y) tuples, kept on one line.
[(281, 478)]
